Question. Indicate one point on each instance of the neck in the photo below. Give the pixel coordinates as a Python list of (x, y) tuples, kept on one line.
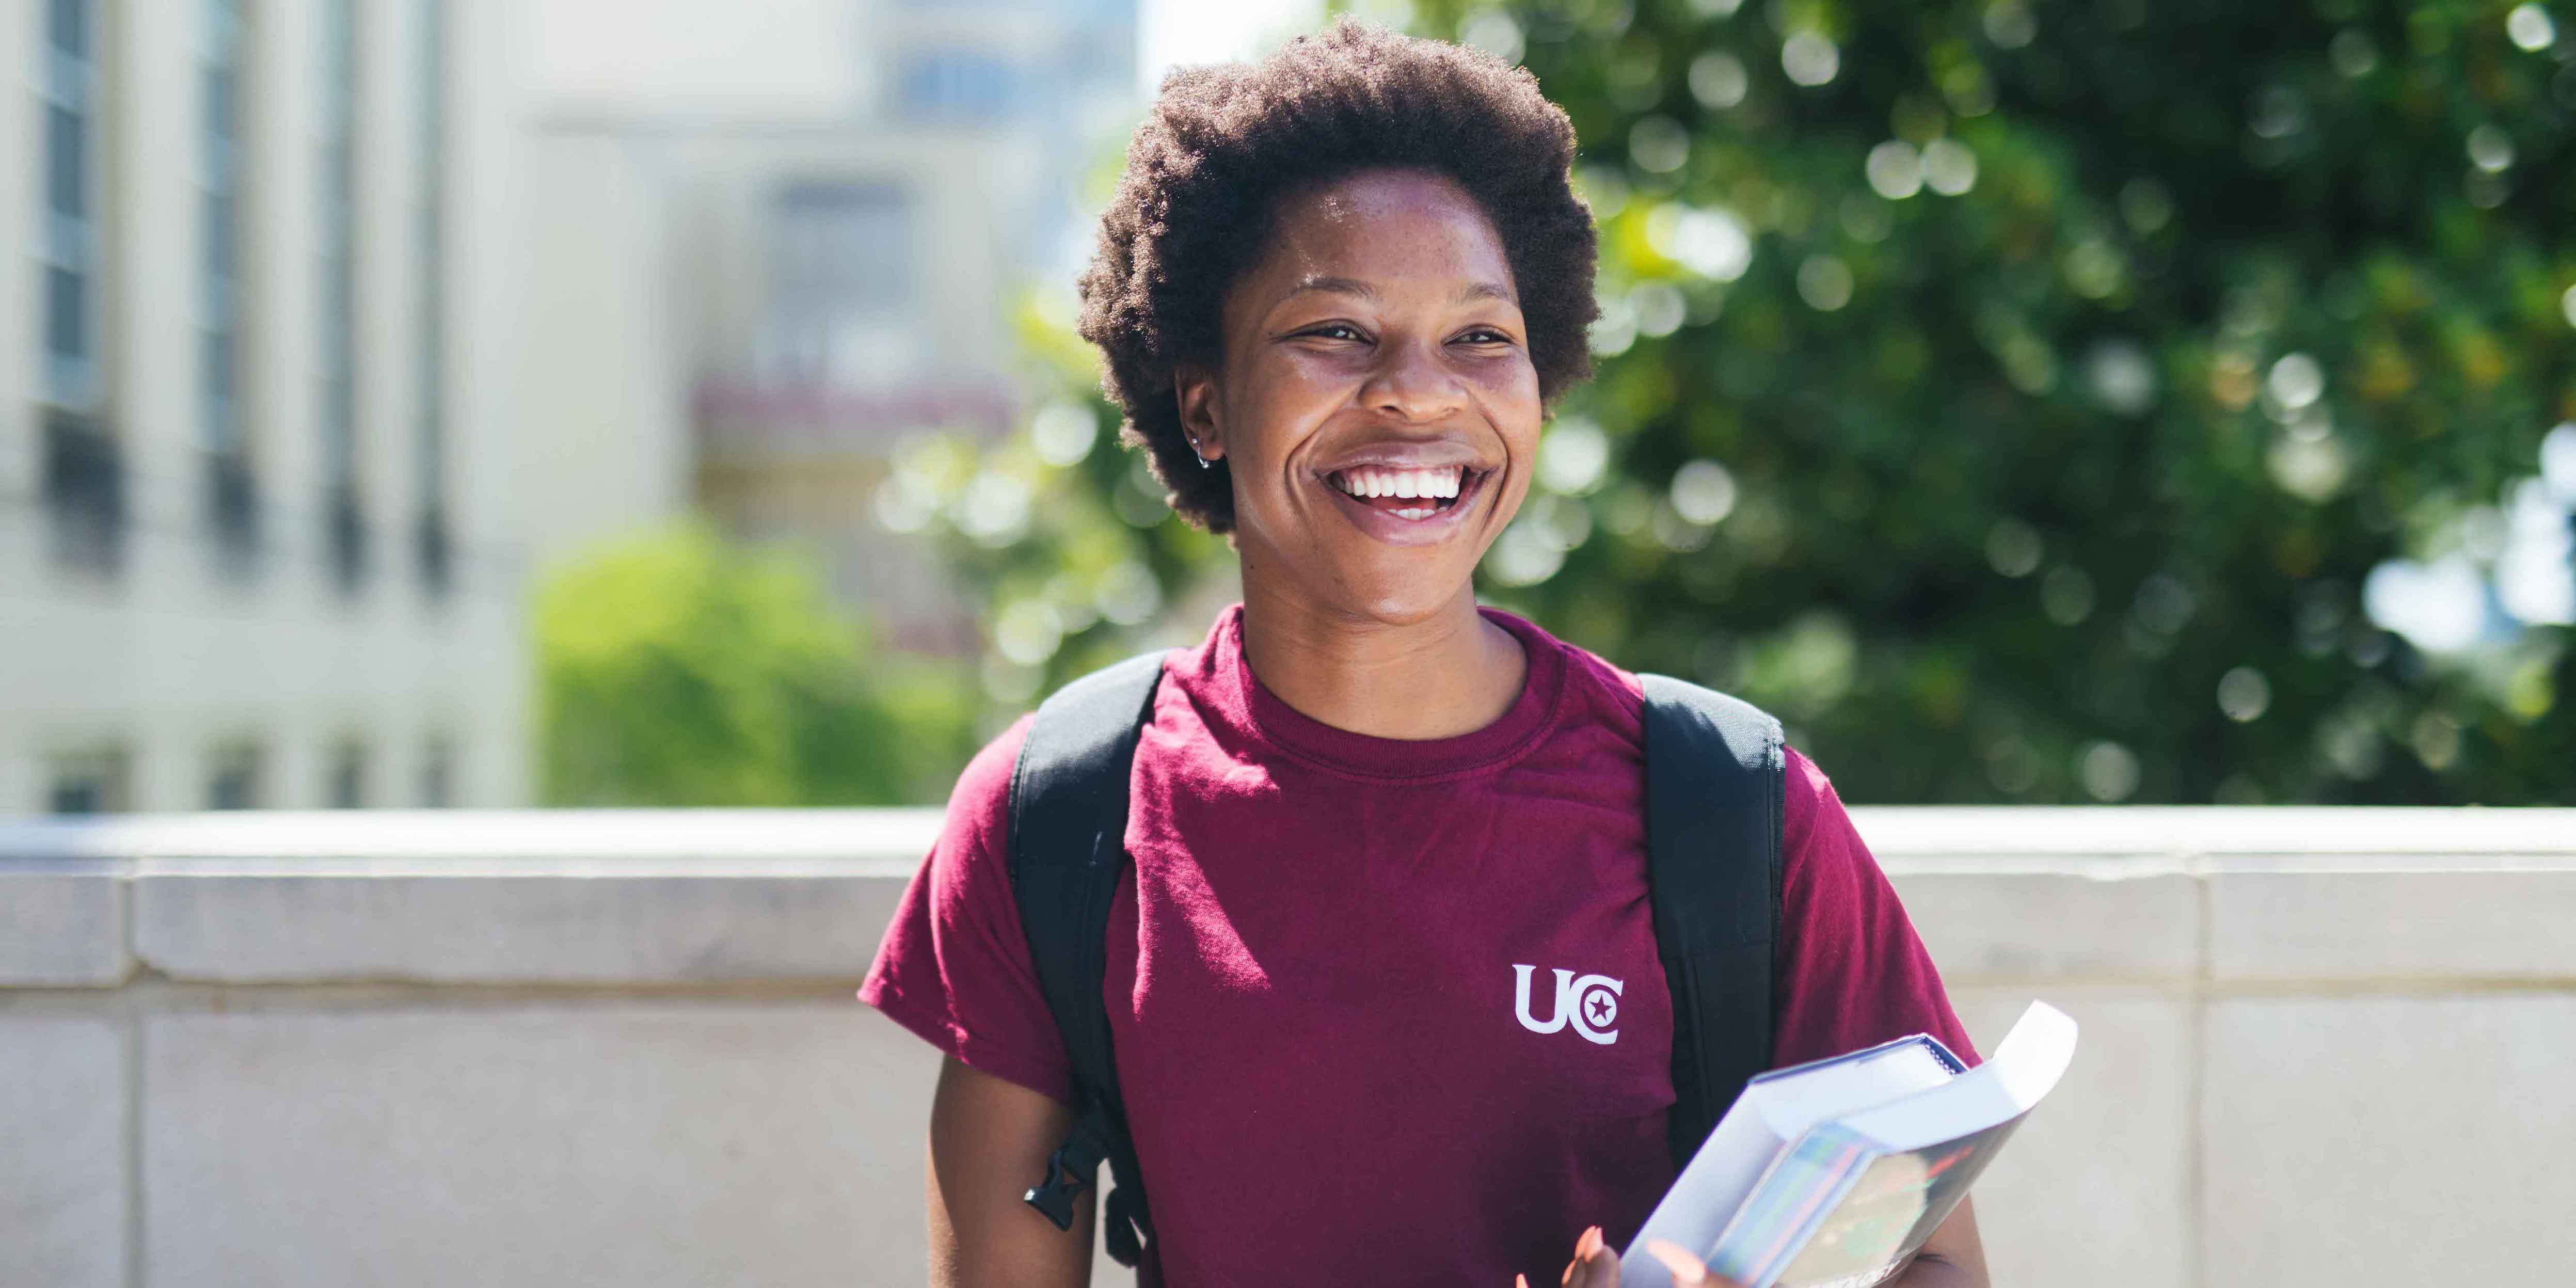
[(1449, 673)]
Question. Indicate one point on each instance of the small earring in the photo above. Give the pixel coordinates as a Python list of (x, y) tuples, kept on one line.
[(1204, 462)]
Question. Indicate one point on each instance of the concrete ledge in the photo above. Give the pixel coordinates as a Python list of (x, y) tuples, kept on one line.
[(2465, 925), (2051, 925), (488, 929), (678, 897), (62, 928)]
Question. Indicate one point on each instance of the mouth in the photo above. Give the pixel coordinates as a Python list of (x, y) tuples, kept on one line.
[(1407, 506)]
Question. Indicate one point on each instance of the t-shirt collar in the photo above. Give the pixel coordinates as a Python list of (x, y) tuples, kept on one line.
[(1219, 677)]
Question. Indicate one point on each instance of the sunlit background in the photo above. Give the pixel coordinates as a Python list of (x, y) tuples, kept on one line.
[(488, 403), (459, 403)]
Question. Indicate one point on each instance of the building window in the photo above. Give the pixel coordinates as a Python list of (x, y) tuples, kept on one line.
[(347, 788), (958, 86), (429, 64), (69, 241), (84, 467), (842, 264), (438, 773), (336, 120), (234, 777), (232, 492), (89, 782)]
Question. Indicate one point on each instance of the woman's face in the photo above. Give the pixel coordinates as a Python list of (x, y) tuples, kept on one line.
[(1377, 401)]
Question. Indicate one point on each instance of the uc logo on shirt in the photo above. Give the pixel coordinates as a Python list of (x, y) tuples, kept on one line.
[(1590, 1004)]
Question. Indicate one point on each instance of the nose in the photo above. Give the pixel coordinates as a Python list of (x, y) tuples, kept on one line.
[(1412, 383)]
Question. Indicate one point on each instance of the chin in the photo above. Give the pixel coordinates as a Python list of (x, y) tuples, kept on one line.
[(1403, 600)]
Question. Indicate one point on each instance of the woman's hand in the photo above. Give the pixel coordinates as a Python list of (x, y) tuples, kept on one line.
[(1596, 1266)]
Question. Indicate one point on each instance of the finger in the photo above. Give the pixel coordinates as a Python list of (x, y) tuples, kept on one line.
[(1594, 1265), (1688, 1270)]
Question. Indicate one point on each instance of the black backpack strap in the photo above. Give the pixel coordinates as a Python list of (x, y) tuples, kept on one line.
[(1715, 784), (1068, 831)]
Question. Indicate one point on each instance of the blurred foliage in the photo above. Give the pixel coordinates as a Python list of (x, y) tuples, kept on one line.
[(674, 669), (2018, 398)]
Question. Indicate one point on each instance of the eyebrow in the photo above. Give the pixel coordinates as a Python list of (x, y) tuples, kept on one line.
[(1354, 286)]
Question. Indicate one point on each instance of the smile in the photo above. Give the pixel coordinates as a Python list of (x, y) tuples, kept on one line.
[(1407, 506)]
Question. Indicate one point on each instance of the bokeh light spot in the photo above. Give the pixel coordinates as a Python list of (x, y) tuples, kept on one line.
[(2009, 24), (1895, 170), (2244, 695), (1718, 80), (2109, 772), (1063, 432), (1810, 59), (1949, 168), (1825, 283), (2530, 28), (1658, 144), (1703, 492), (1573, 456)]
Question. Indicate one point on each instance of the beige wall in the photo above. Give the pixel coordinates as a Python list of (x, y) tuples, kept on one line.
[(2320, 1047)]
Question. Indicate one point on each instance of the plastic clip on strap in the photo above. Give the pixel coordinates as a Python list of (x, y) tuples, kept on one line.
[(1071, 1169), (1068, 1170)]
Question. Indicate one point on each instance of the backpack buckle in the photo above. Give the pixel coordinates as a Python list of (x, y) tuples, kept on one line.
[(1053, 1197)]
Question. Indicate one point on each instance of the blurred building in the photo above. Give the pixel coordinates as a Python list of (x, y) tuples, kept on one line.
[(815, 228), (257, 538), (338, 320)]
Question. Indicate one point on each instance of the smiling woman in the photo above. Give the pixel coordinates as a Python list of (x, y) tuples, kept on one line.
[(1336, 293)]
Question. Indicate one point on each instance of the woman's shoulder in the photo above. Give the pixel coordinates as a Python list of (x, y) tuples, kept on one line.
[(979, 804)]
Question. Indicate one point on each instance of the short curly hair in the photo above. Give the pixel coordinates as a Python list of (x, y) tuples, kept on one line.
[(1223, 143)]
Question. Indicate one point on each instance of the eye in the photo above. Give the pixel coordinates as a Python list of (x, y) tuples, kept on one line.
[(1483, 335), (1335, 331)]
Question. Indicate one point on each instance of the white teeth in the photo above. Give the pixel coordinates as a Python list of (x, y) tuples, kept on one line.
[(1374, 480)]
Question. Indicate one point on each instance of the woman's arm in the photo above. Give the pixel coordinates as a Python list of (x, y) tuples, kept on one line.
[(989, 1142), (1954, 1257)]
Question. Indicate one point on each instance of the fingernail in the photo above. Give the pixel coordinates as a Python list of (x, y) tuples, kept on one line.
[(1520, 1281), (1589, 1246), (1686, 1266)]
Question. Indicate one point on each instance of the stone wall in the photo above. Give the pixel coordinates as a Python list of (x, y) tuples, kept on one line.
[(2321, 1047)]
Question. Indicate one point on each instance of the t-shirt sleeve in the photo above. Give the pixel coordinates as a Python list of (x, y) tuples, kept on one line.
[(954, 966), (1851, 971)]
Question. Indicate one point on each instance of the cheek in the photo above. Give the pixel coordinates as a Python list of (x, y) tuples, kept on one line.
[(1510, 394), (1280, 403)]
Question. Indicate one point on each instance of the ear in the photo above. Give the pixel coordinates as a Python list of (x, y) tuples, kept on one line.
[(1195, 389)]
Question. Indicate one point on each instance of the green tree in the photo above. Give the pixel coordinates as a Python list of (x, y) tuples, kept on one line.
[(676, 670), (2019, 397)]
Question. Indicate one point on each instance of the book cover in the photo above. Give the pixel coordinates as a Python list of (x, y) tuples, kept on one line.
[(1865, 1212)]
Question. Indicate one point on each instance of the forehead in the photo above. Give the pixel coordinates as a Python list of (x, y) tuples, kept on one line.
[(1389, 228)]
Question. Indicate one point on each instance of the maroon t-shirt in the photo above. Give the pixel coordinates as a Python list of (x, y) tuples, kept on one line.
[(1389, 1011)]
